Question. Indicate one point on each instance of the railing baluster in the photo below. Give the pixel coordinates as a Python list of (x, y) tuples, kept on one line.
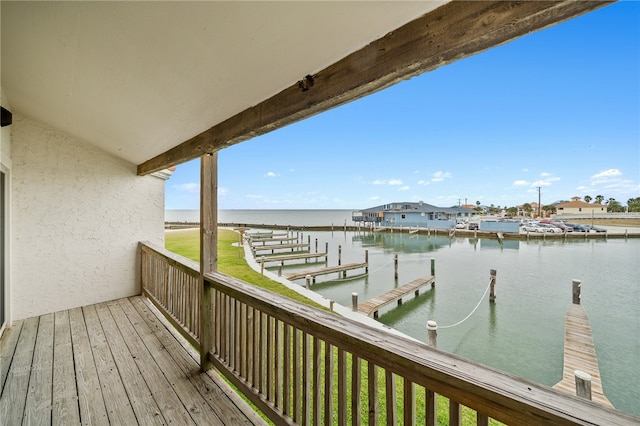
[(251, 342), (455, 419), (286, 370), (431, 408), (328, 384), (296, 375), (317, 380), (409, 402), (356, 387), (306, 379), (342, 387), (390, 397), (372, 376), (278, 363)]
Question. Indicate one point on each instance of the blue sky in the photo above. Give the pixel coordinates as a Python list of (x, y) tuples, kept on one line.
[(558, 109)]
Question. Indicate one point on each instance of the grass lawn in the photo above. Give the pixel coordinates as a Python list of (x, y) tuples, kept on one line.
[(231, 261)]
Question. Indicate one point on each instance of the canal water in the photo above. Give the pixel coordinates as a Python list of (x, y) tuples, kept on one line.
[(523, 331)]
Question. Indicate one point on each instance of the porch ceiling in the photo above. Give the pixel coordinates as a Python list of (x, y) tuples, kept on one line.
[(138, 78)]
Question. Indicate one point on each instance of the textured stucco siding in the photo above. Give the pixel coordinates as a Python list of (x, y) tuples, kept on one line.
[(78, 215)]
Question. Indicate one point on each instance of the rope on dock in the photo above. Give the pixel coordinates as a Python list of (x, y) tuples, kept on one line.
[(470, 313)]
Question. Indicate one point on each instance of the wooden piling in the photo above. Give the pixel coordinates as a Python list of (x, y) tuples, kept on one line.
[(576, 284), (339, 255), (308, 281), (583, 384), (395, 266), (432, 333), (366, 260), (492, 281), (354, 301)]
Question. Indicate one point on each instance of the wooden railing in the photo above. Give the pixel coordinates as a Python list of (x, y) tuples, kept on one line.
[(302, 365), (171, 282)]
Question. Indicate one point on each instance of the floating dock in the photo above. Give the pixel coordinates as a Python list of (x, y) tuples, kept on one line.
[(372, 306), (274, 247)]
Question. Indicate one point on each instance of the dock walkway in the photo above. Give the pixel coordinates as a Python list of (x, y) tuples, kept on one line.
[(372, 306), (286, 257), (580, 354), (328, 270), (274, 247)]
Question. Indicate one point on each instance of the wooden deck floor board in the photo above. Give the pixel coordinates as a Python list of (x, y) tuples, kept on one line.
[(161, 389), (119, 409), (373, 305), (7, 349), (65, 395), (37, 409), (90, 401), (96, 364), (14, 392), (190, 398)]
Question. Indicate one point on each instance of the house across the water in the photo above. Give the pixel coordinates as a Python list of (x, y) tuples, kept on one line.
[(412, 214)]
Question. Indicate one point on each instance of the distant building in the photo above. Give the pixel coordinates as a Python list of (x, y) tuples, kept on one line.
[(575, 206), (412, 214)]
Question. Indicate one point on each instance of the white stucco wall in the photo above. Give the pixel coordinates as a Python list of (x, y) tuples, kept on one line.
[(5, 167), (78, 215)]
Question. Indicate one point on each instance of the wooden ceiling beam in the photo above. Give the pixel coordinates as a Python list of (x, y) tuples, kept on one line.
[(453, 31)]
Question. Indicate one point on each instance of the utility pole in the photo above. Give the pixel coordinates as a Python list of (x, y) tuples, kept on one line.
[(539, 206)]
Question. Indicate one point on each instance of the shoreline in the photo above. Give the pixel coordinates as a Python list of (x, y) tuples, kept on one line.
[(613, 231)]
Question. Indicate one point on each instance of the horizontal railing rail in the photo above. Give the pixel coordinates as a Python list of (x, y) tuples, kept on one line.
[(171, 282)]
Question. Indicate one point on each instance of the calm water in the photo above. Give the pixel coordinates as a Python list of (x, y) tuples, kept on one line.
[(523, 332)]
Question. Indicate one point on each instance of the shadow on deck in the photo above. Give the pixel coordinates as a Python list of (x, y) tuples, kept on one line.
[(114, 362)]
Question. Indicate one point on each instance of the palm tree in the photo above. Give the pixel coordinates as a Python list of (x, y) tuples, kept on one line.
[(599, 199), (587, 198)]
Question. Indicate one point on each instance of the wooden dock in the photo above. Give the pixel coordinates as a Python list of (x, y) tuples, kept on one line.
[(274, 247), (286, 257), (372, 306), (328, 270), (280, 240), (580, 354)]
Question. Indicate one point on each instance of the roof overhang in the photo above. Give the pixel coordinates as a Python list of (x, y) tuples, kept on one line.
[(161, 83)]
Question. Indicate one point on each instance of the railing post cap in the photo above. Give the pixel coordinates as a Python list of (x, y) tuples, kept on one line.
[(432, 325), (354, 293)]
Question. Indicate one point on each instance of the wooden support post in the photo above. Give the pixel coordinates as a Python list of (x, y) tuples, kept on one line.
[(432, 332), (339, 255), (316, 245), (262, 259), (279, 270), (576, 284), (366, 260), (308, 279), (331, 303), (492, 280), (395, 266), (326, 252), (583, 384), (354, 301), (433, 269), (208, 250)]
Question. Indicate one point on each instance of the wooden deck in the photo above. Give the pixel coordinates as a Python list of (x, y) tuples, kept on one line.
[(111, 363), (329, 270), (372, 306), (580, 354)]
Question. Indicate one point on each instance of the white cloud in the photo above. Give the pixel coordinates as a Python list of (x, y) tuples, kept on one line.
[(404, 188), (190, 188), (423, 182), (607, 174), (439, 176), (271, 174), (520, 183), (395, 182), (545, 174), (387, 182)]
